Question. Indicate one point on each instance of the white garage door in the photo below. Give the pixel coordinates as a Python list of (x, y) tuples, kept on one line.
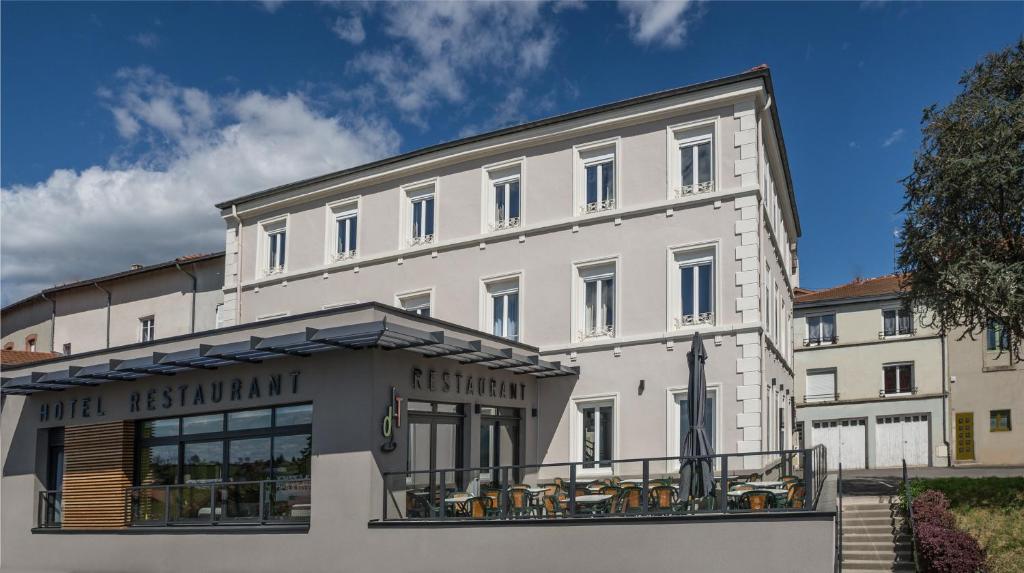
[(901, 437), (844, 440)]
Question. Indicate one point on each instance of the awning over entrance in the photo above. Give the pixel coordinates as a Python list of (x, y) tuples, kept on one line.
[(375, 334)]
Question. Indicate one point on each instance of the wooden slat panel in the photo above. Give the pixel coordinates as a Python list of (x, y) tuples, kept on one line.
[(98, 469)]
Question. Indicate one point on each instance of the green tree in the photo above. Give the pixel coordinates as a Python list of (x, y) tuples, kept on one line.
[(962, 245)]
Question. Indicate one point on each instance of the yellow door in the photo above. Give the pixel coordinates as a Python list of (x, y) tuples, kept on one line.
[(965, 435)]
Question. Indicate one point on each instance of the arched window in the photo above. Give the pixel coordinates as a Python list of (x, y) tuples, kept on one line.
[(9, 346), (30, 343)]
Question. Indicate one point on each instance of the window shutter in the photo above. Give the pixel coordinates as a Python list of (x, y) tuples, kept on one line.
[(820, 386)]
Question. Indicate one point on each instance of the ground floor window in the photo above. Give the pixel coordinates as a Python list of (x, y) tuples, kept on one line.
[(999, 421), (595, 420), (499, 442), (222, 466)]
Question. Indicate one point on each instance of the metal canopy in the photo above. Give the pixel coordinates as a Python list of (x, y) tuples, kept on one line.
[(377, 334)]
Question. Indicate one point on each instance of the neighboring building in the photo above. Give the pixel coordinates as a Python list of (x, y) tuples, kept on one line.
[(145, 302), (986, 398), (869, 377), (11, 358), (549, 280)]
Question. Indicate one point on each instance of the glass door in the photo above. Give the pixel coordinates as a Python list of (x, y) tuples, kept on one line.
[(435, 443), (499, 443)]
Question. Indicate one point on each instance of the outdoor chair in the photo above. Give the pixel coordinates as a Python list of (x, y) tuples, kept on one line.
[(757, 500), (419, 506), (663, 498), (795, 498), (495, 496), (630, 500), (582, 490), (519, 502), (478, 507), (789, 479), (555, 505)]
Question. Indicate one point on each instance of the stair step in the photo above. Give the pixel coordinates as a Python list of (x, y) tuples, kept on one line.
[(887, 555), (887, 537), (848, 512), (880, 545), (859, 565)]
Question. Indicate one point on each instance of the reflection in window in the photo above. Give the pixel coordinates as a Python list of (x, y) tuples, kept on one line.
[(158, 465), (597, 435), (292, 455), (202, 424), (249, 460), (160, 428), (293, 415), (248, 420), (203, 462)]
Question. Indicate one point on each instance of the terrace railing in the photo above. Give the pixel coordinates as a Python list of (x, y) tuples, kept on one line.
[(608, 488), (263, 502), (51, 509)]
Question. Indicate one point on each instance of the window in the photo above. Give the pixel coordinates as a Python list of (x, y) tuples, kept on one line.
[(696, 289), (246, 447), (999, 421), (418, 302), (596, 177), (345, 231), (821, 330), (899, 379), (218, 316), (147, 328), (9, 346), (275, 234), (595, 440), (67, 349), (30, 343), (506, 204), (710, 418), (503, 308), (897, 321), (821, 386), (421, 226), (696, 166), (597, 317), (997, 337)]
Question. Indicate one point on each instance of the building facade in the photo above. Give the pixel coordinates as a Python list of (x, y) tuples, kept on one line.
[(986, 394), (143, 303), (511, 308), (870, 378)]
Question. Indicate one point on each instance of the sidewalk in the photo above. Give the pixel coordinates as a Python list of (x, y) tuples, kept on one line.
[(959, 471)]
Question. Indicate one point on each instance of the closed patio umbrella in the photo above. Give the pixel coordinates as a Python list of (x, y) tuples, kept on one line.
[(697, 478)]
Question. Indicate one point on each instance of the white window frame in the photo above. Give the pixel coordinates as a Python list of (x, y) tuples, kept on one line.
[(413, 193), (898, 310), (589, 154), (218, 315), (496, 174), (500, 285), (151, 328), (337, 212), (678, 257), (687, 134), (587, 271), (819, 341), (401, 298), (674, 411), (273, 315), (269, 228), (835, 384), (913, 375), (576, 431)]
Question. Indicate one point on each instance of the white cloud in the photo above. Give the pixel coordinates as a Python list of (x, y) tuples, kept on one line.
[(438, 47), (203, 149), (893, 137), (146, 39), (657, 22), (349, 29)]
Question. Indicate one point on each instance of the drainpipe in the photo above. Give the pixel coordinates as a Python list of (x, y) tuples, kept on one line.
[(97, 285), (192, 313), (945, 397), (53, 318)]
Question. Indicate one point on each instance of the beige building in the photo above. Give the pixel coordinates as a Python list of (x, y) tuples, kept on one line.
[(869, 377), (144, 303), (549, 279), (986, 395)]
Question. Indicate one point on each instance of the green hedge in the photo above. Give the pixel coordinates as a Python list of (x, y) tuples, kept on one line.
[(997, 492)]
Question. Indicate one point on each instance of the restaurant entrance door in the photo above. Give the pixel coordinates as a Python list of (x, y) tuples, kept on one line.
[(499, 442), (435, 443)]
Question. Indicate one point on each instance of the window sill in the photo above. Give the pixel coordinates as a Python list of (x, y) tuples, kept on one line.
[(179, 530)]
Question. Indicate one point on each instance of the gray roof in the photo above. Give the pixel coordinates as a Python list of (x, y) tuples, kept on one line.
[(515, 358)]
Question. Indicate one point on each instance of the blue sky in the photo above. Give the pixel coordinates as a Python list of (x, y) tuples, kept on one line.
[(122, 123)]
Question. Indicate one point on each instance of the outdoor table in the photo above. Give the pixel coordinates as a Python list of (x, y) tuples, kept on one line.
[(765, 484), (592, 498), (458, 503)]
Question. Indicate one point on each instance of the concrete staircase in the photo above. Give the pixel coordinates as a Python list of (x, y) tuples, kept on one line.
[(873, 539)]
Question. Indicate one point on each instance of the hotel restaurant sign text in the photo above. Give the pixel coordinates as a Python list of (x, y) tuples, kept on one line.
[(457, 383), (176, 396)]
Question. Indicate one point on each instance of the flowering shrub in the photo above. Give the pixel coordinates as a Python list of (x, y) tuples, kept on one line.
[(945, 550), (941, 546)]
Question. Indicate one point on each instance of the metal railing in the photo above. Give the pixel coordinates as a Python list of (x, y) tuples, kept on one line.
[(608, 488), (883, 334), (819, 340), (839, 519), (909, 513), (51, 509), (220, 503)]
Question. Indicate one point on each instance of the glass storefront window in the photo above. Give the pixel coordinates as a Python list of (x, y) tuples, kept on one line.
[(203, 462), (160, 428), (202, 424), (248, 420), (293, 415), (292, 455), (249, 460), (158, 465)]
